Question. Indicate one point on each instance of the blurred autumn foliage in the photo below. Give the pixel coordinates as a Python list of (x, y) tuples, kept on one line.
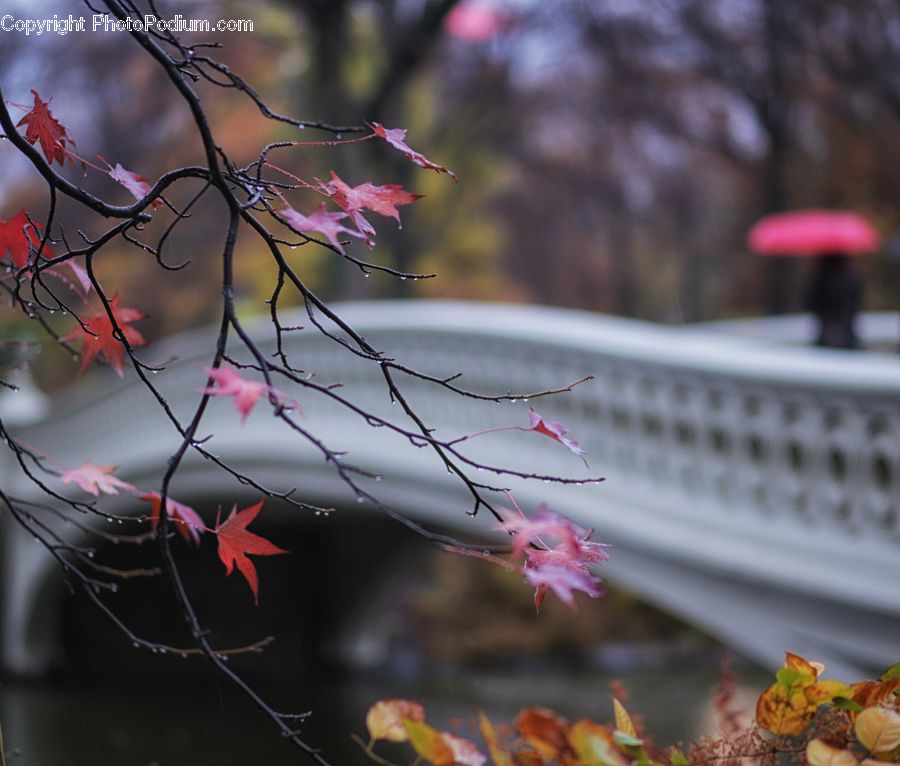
[(800, 719), (611, 155)]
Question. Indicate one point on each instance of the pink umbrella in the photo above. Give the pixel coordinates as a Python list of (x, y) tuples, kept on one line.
[(813, 232), (473, 22)]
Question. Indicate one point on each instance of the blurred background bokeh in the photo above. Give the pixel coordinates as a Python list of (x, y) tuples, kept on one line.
[(612, 155)]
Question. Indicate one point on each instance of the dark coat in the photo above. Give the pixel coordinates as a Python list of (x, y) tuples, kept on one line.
[(835, 298)]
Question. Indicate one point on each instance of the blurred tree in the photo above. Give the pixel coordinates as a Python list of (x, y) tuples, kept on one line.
[(614, 153)]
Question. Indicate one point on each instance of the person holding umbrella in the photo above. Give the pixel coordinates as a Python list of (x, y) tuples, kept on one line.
[(834, 295)]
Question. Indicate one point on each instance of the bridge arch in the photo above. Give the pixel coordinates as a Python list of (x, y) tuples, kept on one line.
[(753, 487)]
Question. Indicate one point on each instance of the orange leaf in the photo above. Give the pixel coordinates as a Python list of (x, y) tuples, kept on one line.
[(527, 758), (543, 730), (784, 710), (428, 743), (384, 719), (796, 662), (872, 693)]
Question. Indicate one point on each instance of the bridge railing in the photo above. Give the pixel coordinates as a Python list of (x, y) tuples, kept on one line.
[(774, 464)]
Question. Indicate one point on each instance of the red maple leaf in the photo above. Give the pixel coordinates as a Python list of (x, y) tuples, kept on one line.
[(19, 234), (235, 543), (383, 200), (396, 138), (15, 236), (44, 127), (97, 336), (327, 224), (186, 519)]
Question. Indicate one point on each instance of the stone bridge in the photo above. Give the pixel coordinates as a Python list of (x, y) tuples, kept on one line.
[(752, 486)]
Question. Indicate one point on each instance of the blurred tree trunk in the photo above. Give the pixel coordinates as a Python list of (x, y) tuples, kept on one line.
[(621, 241), (328, 19), (780, 273), (692, 282)]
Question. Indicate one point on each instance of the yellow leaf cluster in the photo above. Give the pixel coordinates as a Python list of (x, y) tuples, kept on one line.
[(788, 705)]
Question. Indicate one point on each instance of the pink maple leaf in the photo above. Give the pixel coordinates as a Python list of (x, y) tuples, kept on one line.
[(562, 581), (546, 564), (137, 185), (554, 430), (396, 137), (80, 274), (187, 520), (245, 392), (96, 479), (544, 523), (327, 224), (561, 555)]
